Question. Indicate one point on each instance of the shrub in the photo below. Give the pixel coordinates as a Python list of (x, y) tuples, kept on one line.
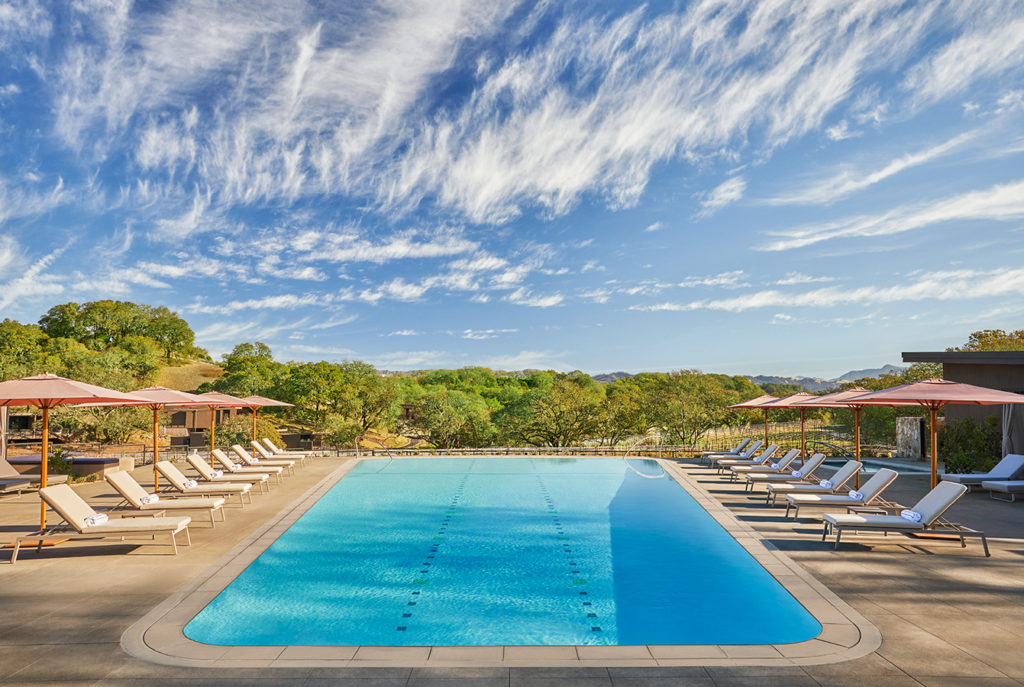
[(340, 431), (970, 446), (238, 430)]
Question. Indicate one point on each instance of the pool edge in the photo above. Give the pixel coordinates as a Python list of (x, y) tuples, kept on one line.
[(159, 635)]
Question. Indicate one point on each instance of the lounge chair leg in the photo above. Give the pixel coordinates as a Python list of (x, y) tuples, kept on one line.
[(787, 509), (212, 522), (824, 531), (984, 544), (188, 538), (839, 533), (174, 544), (14, 554)]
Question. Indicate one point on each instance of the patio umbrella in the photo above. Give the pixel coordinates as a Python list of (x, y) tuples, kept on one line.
[(256, 402), (758, 403), (934, 394), (46, 391), (792, 401), (840, 399), (215, 400), (157, 398)]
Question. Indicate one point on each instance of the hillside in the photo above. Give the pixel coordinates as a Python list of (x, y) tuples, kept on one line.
[(813, 384), (188, 376)]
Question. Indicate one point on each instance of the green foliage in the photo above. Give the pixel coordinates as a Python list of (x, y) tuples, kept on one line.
[(993, 340), (103, 425), (250, 369), (970, 446), (58, 461), (455, 419), (238, 430), (341, 432)]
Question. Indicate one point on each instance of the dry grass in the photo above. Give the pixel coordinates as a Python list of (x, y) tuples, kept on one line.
[(189, 376)]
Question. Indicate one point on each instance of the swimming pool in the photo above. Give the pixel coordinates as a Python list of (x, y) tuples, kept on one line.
[(503, 551)]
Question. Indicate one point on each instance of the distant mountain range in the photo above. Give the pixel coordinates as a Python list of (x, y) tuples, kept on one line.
[(808, 383)]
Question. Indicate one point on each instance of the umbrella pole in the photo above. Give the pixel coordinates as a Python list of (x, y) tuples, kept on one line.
[(766, 428), (803, 439), (254, 423), (933, 412), (856, 438), (44, 457), (156, 450), (213, 430)]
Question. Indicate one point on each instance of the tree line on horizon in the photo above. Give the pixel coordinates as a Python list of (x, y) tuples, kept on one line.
[(124, 345)]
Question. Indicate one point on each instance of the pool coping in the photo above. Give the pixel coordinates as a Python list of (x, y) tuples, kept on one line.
[(159, 636)]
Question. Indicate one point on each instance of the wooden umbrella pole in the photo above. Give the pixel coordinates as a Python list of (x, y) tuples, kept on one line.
[(803, 440), (254, 423), (933, 412), (766, 427), (856, 438), (44, 457), (156, 449), (213, 430)]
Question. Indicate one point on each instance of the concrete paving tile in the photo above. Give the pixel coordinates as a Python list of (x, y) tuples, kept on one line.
[(592, 681), (722, 672), (684, 681), (659, 672), (467, 654), (362, 673), (554, 671), (540, 653), (870, 666), (683, 651), (876, 681), (335, 653), (975, 636), (613, 652), (76, 662), (355, 682), (404, 654), (740, 651), (918, 652), (975, 682), (457, 672), (457, 682), (766, 681)]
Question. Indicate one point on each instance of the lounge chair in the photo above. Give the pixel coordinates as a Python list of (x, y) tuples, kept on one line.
[(796, 476), (1010, 467), (264, 454), (870, 491), (746, 454), (248, 459), (239, 469), (14, 479), (726, 463), (1010, 487), (832, 485), (183, 485), (283, 452), (208, 475), (705, 456), (781, 466), (139, 499), (79, 516), (922, 517)]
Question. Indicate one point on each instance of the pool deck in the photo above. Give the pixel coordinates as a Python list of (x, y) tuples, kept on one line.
[(947, 616)]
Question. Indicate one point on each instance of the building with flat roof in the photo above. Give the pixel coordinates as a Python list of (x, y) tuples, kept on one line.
[(1003, 370)]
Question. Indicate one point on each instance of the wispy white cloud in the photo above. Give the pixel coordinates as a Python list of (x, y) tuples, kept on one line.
[(529, 360), (729, 191), (999, 203), (33, 282), (404, 332), (732, 279), (797, 278), (278, 302), (655, 226), (481, 334), (949, 285), (847, 182), (523, 296)]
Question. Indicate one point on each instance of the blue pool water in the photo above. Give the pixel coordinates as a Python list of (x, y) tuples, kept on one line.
[(503, 551)]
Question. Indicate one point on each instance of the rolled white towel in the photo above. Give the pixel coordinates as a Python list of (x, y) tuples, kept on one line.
[(797, 473), (911, 515), (775, 466), (826, 484), (254, 459), (149, 499), (190, 484), (856, 495), (235, 466), (98, 519), (218, 473)]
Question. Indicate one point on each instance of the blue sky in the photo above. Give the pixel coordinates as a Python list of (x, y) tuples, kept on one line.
[(741, 187)]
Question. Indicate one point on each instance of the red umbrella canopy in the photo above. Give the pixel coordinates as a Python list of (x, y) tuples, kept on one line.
[(157, 397), (755, 402), (216, 398), (792, 401), (47, 391), (835, 399), (935, 393), (264, 402)]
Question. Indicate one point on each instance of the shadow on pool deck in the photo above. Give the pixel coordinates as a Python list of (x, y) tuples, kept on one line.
[(948, 616)]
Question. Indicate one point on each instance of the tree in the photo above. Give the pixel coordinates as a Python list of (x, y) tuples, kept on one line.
[(62, 321), (170, 331), (453, 419), (560, 415), (993, 340), (250, 369), (366, 397)]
